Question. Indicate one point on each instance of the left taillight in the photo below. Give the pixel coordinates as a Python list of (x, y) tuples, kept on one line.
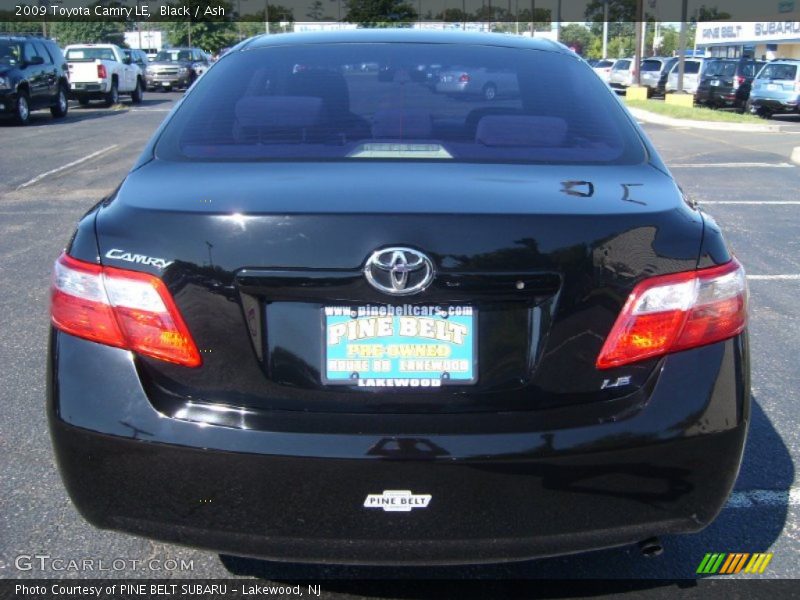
[(677, 312), (121, 308)]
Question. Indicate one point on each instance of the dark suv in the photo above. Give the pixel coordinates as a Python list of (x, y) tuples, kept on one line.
[(726, 83), (33, 76)]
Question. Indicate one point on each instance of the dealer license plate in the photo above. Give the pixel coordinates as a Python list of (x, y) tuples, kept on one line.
[(408, 346)]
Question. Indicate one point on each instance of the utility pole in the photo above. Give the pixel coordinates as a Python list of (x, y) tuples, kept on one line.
[(605, 28), (266, 16), (637, 56), (682, 45), (558, 24), (533, 16)]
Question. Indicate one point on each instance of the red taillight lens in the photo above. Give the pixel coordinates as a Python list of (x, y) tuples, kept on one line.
[(737, 81), (464, 78), (121, 308), (677, 312), (101, 72)]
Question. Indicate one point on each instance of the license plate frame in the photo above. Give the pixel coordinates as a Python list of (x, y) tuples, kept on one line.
[(392, 375)]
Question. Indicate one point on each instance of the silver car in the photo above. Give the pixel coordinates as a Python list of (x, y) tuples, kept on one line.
[(654, 73), (482, 82), (693, 68), (621, 75)]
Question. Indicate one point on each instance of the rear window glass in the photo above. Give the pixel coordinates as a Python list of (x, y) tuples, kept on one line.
[(622, 65), (603, 64), (720, 69), (691, 67), (651, 65), (778, 72), (399, 101), (90, 54)]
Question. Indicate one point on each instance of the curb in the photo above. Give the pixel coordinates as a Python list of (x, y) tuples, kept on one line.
[(795, 158), (649, 117)]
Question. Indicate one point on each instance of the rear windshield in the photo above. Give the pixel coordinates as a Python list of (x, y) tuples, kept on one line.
[(603, 64), (90, 54), (690, 67), (720, 69), (423, 101), (778, 72), (651, 65), (622, 65)]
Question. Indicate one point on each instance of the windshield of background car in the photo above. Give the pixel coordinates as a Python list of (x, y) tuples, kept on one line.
[(785, 72), (173, 55), (651, 65), (9, 53), (352, 101), (75, 54), (720, 69)]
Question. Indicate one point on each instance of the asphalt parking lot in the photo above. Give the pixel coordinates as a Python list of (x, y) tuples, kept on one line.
[(51, 172)]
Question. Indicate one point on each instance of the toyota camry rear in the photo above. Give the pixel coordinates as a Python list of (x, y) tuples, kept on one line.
[(332, 318)]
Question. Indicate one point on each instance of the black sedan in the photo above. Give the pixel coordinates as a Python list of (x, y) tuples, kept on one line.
[(330, 319)]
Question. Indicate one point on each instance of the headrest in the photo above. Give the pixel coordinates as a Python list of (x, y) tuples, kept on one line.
[(405, 124), (521, 130), (330, 86), (278, 112)]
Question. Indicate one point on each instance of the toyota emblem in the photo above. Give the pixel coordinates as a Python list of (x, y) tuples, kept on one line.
[(399, 271)]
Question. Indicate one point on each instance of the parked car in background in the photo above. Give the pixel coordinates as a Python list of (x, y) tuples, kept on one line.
[(603, 68), (692, 69), (776, 89), (316, 326), (139, 58), (655, 70), (483, 82), (176, 68), (622, 74), (727, 83), (33, 76), (103, 72)]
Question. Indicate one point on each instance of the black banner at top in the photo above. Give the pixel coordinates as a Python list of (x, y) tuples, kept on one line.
[(401, 12)]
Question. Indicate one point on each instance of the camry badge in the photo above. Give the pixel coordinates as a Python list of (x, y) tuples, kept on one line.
[(397, 501), (399, 271)]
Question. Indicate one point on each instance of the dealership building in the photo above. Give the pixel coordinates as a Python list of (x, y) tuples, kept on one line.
[(763, 40)]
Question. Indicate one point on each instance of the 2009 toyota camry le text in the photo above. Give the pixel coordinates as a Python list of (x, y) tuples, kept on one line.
[(450, 309)]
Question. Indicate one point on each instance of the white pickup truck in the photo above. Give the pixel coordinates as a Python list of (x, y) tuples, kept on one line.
[(102, 72)]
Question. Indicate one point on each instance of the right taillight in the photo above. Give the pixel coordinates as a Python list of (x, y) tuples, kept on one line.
[(101, 72), (464, 78), (122, 308), (676, 312)]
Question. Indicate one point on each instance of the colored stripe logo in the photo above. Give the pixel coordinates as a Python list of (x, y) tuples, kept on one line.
[(733, 562)]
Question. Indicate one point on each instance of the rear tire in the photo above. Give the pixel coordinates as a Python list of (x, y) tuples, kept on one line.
[(59, 110), (22, 110), (138, 93), (112, 97)]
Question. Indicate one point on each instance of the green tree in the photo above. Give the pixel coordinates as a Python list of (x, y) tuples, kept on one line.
[(576, 36), (87, 32), (210, 36), (380, 13)]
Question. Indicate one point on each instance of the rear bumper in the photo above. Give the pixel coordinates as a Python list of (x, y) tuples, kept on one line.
[(788, 104), (666, 466), (87, 90)]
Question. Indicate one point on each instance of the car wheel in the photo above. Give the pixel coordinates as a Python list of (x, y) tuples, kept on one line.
[(489, 91), (112, 97), (61, 106), (22, 114), (138, 93)]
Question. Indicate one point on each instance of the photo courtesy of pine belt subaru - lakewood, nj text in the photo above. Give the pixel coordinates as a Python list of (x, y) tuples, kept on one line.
[(346, 316)]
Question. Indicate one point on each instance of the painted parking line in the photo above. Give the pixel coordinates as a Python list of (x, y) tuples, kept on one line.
[(756, 498), (733, 165), (67, 166), (790, 277)]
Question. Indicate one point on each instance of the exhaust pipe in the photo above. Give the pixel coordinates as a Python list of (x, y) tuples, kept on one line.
[(651, 547)]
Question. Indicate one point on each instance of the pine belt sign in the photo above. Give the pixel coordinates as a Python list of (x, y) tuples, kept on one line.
[(721, 32)]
